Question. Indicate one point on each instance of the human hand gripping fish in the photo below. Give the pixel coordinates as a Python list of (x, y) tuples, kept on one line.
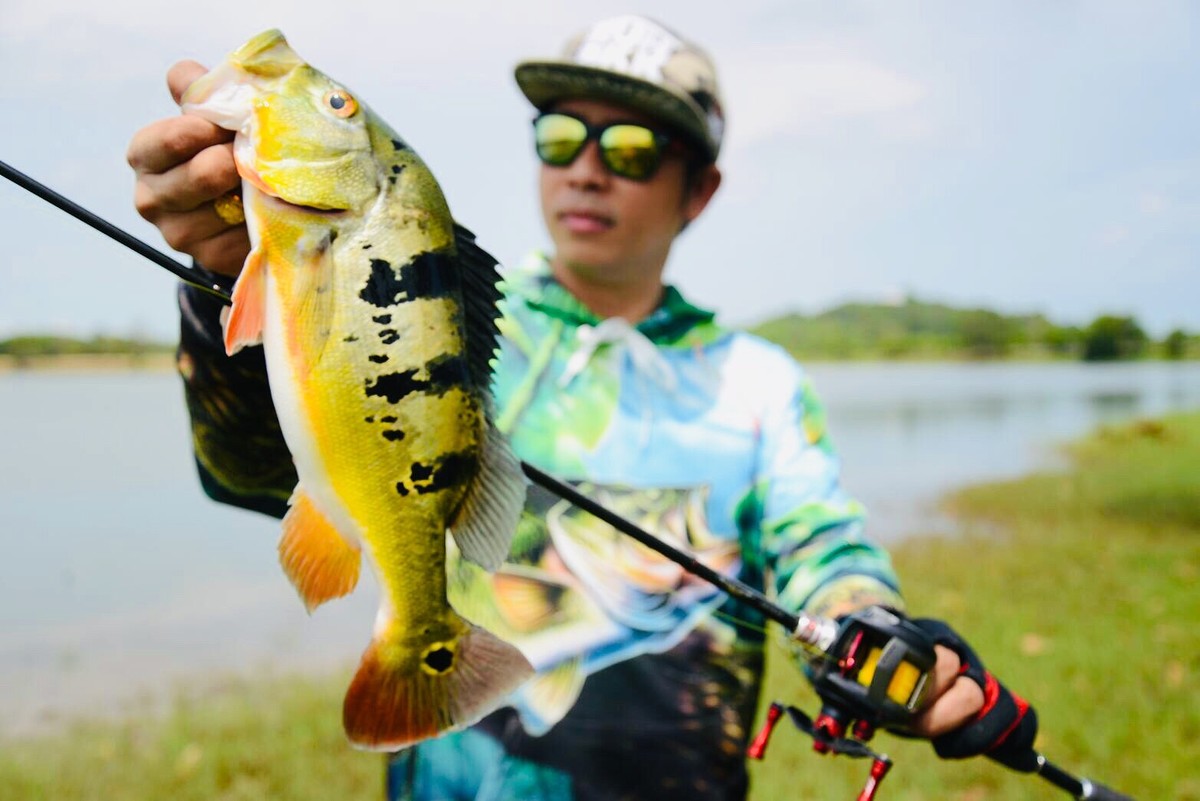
[(377, 317)]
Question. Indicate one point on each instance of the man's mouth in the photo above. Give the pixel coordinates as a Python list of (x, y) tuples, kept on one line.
[(581, 221)]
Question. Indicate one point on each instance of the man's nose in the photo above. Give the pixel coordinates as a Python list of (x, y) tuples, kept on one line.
[(587, 171)]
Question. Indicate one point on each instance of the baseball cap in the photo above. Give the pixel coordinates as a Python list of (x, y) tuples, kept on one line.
[(636, 62)]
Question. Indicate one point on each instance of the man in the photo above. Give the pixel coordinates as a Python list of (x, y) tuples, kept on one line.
[(647, 679)]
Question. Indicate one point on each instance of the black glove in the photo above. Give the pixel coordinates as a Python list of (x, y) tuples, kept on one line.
[(1006, 726)]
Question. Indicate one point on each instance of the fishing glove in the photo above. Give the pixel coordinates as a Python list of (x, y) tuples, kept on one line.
[(1006, 726)]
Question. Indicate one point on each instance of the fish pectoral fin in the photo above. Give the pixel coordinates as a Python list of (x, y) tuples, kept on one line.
[(244, 323), (318, 560), (314, 297), (486, 520), (548, 697), (398, 698)]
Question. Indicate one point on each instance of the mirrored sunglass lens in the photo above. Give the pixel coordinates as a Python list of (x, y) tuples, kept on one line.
[(630, 150), (559, 138)]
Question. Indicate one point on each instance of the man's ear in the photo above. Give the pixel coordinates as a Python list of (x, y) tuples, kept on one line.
[(700, 191)]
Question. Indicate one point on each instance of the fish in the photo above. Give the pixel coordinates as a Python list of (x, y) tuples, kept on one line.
[(377, 315)]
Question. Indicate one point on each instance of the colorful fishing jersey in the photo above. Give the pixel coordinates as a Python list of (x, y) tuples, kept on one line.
[(648, 678)]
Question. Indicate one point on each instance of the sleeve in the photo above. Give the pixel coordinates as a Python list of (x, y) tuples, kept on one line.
[(816, 555), (239, 449)]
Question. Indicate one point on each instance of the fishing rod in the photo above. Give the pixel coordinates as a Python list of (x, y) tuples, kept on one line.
[(840, 652)]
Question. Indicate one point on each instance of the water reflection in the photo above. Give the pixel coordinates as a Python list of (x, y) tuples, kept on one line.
[(119, 576)]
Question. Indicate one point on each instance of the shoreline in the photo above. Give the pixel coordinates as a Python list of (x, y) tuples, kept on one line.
[(156, 361)]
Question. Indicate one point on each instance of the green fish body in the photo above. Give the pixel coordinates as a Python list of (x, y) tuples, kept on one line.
[(377, 317)]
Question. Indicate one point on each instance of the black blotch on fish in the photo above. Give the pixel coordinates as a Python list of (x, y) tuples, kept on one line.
[(392, 180), (389, 335), (401, 489), (428, 275), (382, 288), (382, 319), (391, 418), (398, 145), (451, 470), (378, 358), (369, 419), (367, 246), (393, 435), (350, 338), (446, 372), (439, 660), (397, 169), (395, 386)]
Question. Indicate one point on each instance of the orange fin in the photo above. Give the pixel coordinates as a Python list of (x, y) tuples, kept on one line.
[(244, 325), (316, 558), (397, 701)]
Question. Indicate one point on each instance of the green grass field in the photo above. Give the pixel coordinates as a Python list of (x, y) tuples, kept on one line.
[(1076, 588)]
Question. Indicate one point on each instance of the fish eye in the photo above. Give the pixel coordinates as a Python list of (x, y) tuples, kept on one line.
[(341, 103)]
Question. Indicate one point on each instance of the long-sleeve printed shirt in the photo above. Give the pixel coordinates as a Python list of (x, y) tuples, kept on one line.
[(711, 438)]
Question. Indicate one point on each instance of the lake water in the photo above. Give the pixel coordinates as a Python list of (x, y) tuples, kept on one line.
[(119, 580)]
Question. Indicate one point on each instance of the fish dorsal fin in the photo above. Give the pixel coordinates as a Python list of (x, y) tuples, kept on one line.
[(480, 296), (485, 523)]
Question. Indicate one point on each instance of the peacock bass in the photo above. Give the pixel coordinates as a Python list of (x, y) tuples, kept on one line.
[(377, 318)]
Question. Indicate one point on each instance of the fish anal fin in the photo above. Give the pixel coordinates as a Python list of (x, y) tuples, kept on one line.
[(394, 702), (244, 325), (318, 560), (486, 520)]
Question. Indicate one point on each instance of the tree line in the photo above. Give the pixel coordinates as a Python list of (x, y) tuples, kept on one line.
[(35, 346), (918, 329)]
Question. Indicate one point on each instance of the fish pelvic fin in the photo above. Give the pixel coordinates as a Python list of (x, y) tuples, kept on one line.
[(318, 560), (395, 701), (486, 520), (244, 324)]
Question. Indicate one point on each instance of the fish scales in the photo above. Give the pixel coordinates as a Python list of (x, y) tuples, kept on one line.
[(367, 299)]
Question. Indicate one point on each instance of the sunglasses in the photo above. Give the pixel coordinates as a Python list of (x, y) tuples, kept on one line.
[(627, 149)]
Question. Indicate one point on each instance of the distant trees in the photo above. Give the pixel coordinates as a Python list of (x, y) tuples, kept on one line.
[(916, 329), (1109, 338), (1175, 346)]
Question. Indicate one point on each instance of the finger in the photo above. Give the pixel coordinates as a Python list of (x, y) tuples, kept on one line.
[(170, 142), (224, 253), (182, 75), (945, 671), (188, 186), (185, 231), (952, 709)]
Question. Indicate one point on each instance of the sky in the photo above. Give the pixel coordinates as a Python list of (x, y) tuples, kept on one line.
[(1024, 156)]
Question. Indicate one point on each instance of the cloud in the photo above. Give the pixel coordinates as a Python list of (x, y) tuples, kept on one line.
[(805, 90), (1113, 235), (1152, 203)]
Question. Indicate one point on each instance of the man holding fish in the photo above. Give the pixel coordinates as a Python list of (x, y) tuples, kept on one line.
[(369, 427)]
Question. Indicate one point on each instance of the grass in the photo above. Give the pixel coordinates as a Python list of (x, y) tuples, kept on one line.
[(1076, 588)]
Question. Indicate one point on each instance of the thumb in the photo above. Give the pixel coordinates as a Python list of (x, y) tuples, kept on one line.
[(182, 75)]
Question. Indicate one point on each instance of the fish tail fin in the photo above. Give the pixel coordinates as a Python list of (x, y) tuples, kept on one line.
[(397, 699)]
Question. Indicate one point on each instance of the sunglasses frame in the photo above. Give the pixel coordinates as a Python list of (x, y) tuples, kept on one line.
[(593, 133)]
